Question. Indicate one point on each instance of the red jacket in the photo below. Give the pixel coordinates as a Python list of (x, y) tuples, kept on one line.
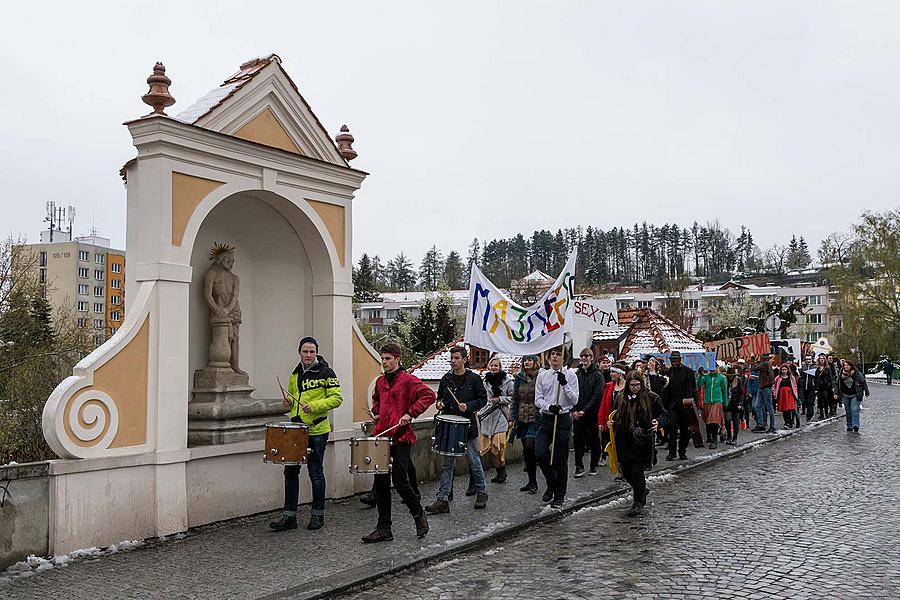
[(605, 405), (407, 395)]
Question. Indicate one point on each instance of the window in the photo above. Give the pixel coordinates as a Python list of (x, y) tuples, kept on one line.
[(644, 303), (112, 330), (83, 289), (115, 316), (81, 322), (82, 306), (115, 300), (812, 337), (814, 300), (116, 268), (691, 304), (98, 258), (115, 284), (98, 339), (623, 304), (43, 259), (98, 324), (84, 255), (98, 307), (83, 272), (98, 291), (815, 320), (98, 274), (43, 275), (478, 357)]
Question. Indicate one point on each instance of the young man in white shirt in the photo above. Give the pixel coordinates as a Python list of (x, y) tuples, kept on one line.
[(555, 394)]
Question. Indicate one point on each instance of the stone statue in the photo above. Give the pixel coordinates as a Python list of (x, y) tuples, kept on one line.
[(221, 289)]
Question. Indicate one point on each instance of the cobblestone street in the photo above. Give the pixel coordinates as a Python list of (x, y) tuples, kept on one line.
[(811, 516)]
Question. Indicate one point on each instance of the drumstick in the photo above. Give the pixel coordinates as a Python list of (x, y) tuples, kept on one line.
[(388, 429), (285, 394)]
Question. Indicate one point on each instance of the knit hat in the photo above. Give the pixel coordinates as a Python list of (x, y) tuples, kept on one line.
[(308, 340), (619, 367)]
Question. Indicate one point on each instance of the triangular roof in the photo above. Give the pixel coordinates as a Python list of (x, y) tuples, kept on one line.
[(651, 332), (261, 103), (435, 365)]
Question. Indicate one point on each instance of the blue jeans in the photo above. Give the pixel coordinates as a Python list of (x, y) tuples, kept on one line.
[(851, 408), (766, 407), (474, 458), (317, 443)]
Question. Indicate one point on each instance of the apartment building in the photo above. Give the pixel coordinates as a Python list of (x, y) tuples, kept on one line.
[(379, 315), (698, 299), (86, 275)]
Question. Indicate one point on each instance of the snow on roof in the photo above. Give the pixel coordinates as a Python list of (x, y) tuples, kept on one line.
[(416, 297), (652, 332), (538, 275), (216, 96), (435, 366)]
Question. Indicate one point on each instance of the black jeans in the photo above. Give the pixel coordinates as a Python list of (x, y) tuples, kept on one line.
[(587, 438), (634, 475), (809, 404), (314, 467), (556, 474), (679, 435), (733, 423), (403, 474)]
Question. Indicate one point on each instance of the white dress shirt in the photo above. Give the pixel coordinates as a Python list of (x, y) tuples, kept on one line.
[(545, 390)]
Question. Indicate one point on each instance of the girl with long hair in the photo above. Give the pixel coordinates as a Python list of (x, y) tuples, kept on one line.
[(525, 417), (639, 413), (495, 416)]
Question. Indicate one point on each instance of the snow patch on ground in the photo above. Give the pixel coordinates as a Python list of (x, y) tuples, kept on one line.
[(447, 563), (604, 506), (36, 564), (663, 477), (485, 530), (493, 551)]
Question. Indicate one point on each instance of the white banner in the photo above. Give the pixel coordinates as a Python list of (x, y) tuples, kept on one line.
[(594, 314), (494, 322)]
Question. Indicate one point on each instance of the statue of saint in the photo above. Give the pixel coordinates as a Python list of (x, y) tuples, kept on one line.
[(221, 289)]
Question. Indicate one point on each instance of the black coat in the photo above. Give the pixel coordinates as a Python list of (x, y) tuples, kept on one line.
[(630, 451), (682, 384), (470, 392), (590, 389)]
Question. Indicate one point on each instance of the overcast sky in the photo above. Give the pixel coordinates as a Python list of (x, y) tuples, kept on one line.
[(483, 119)]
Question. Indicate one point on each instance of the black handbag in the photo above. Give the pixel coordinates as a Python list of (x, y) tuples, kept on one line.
[(640, 435)]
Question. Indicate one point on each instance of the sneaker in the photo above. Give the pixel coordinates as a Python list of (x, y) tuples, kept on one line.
[(713, 445), (284, 523), (421, 525), (557, 503), (592, 472), (731, 443), (316, 522), (481, 501), (771, 430), (579, 472), (856, 429), (439, 507), (548, 496), (603, 461), (379, 535)]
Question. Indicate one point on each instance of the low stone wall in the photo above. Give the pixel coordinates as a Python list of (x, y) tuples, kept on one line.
[(24, 511)]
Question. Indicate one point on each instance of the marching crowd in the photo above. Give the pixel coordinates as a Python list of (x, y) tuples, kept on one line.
[(617, 413)]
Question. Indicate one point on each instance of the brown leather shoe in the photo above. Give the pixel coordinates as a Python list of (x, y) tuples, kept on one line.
[(379, 535)]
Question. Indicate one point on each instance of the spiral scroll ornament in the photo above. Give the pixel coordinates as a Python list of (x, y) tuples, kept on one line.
[(94, 419)]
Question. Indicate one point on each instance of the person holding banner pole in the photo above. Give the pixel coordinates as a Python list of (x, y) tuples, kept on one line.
[(555, 394)]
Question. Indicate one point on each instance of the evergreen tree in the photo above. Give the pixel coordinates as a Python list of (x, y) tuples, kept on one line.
[(400, 274), (380, 273), (455, 276), (432, 269), (445, 323), (792, 260), (423, 331), (474, 257), (803, 257), (365, 287)]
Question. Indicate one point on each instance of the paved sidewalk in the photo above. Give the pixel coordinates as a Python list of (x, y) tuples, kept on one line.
[(244, 559)]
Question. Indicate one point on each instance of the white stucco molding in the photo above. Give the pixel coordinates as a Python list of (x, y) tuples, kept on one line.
[(162, 271), (93, 426), (333, 288)]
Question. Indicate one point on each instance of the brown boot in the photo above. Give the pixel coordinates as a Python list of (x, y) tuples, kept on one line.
[(421, 525)]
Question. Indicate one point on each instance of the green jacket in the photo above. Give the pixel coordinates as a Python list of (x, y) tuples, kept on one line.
[(715, 388), (319, 387)]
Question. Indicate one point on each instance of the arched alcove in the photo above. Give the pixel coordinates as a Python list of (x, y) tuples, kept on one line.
[(273, 262)]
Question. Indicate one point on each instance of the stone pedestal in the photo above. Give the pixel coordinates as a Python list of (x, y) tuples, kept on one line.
[(222, 411)]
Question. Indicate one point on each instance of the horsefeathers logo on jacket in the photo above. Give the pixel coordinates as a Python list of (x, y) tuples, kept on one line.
[(309, 384)]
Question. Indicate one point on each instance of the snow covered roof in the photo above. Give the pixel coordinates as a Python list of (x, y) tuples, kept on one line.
[(216, 96), (435, 366), (650, 332)]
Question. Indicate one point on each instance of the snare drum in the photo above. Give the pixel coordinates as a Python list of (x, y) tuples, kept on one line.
[(287, 443), (451, 432), (370, 455)]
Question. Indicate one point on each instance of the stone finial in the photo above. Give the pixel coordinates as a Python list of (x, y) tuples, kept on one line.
[(345, 143), (158, 97)]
